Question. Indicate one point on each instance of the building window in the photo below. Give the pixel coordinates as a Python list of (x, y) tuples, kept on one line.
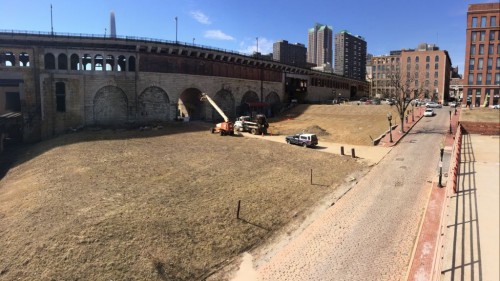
[(472, 50), (488, 79), (489, 64), (436, 59), (498, 63), (60, 97), (490, 49), (480, 64), (470, 79), (492, 35), (428, 59), (471, 64), (417, 59), (416, 83), (427, 75), (481, 49), (408, 60), (498, 47), (436, 74), (479, 79), (474, 22), (483, 21), (482, 35), (12, 102), (473, 36), (435, 83), (436, 66), (426, 83), (497, 78), (50, 61), (427, 66), (493, 21)]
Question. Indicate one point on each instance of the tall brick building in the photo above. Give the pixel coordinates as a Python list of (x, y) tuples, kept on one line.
[(482, 55), (319, 48), (427, 67), (350, 55)]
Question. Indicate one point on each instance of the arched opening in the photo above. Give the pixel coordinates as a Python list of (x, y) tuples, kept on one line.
[(248, 97), (24, 59), (50, 61), (122, 63), (8, 59), (87, 62), (275, 104), (131, 63), (154, 105), (110, 63), (190, 105), (110, 106), (225, 100), (75, 62), (98, 62), (62, 61)]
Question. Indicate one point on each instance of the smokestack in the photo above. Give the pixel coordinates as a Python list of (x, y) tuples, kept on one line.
[(112, 25)]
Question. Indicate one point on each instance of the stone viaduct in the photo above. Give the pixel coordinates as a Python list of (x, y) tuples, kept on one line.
[(62, 81)]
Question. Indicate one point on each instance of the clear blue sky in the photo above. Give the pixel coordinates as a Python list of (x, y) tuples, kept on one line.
[(234, 25)]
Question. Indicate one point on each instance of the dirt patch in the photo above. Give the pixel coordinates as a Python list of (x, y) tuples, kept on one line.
[(480, 115), (153, 205), (350, 124)]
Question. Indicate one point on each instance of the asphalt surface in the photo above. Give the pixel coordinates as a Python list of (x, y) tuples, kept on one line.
[(369, 234)]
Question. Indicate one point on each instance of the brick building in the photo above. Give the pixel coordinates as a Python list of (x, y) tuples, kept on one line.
[(482, 55), (292, 54), (427, 67)]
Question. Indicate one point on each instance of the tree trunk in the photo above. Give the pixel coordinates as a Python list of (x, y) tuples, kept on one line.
[(402, 124)]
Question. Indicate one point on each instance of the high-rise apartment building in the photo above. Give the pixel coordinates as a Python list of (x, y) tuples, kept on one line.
[(482, 55), (293, 54), (319, 46), (350, 55), (427, 70)]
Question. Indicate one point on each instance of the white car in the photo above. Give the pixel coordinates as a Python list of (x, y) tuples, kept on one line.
[(429, 112), (433, 105)]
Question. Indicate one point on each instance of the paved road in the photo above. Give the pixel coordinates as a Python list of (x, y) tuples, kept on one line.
[(369, 234)]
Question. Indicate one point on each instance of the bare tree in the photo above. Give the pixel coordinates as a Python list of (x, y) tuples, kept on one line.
[(405, 88)]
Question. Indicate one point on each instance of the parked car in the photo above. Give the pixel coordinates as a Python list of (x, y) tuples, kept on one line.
[(363, 99), (305, 140), (433, 105), (496, 106), (429, 112)]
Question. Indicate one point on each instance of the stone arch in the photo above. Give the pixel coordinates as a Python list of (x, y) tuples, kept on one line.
[(190, 105), (154, 105), (87, 62), (110, 63), (62, 61), (24, 59), (75, 62), (50, 61), (131, 63), (121, 63), (274, 103), (98, 62), (8, 59), (225, 100), (110, 106), (249, 96)]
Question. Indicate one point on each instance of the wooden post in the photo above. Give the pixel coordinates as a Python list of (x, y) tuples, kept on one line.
[(238, 211), (341, 150), (353, 153), (311, 176)]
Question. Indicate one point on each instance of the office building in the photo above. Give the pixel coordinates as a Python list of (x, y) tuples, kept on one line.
[(293, 54), (319, 45), (482, 55), (350, 55)]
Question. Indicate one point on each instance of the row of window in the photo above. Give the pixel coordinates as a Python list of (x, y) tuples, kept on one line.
[(480, 63), (416, 83), (480, 49), (427, 66), (488, 95), (493, 21), (482, 35), (479, 79), (86, 62), (427, 59)]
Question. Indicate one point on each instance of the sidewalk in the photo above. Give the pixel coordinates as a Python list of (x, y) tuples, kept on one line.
[(396, 132)]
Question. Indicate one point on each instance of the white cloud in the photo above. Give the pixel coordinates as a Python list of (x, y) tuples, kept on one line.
[(200, 17), (217, 34), (249, 46)]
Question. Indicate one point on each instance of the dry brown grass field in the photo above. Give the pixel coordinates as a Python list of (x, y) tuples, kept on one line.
[(161, 205), (480, 115)]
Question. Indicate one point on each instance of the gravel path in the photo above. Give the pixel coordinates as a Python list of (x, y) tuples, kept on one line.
[(369, 234)]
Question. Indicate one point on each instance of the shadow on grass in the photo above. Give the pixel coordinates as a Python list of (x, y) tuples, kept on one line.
[(254, 224)]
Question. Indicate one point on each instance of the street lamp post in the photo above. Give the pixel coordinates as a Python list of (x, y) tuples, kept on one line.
[(176, 30), (412, 115), (450, 123), (441, 167), (389, 117)]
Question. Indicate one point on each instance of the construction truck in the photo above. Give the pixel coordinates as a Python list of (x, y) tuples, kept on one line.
[(223, 128), (255, 126)]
